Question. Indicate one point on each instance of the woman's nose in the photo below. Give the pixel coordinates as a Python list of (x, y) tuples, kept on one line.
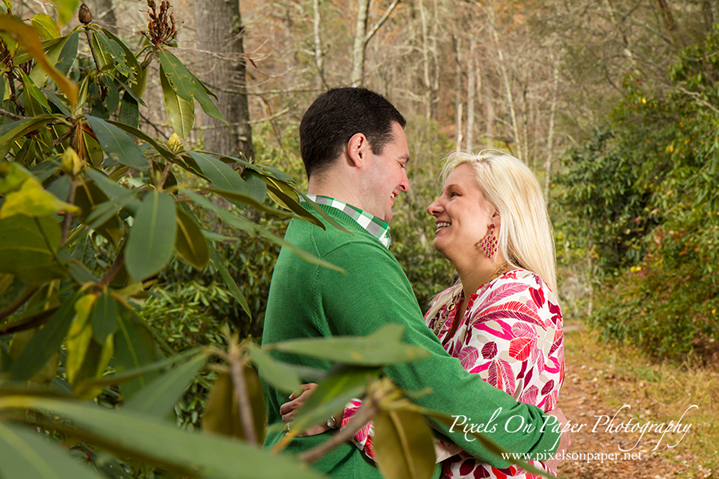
[(435, 208)]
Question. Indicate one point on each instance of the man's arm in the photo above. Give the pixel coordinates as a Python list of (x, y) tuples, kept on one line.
[(358, 303)]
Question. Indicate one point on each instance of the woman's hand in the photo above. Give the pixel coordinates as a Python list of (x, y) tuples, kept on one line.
[(289, 409)]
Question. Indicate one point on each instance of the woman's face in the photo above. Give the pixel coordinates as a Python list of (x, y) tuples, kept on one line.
[(462, 216)]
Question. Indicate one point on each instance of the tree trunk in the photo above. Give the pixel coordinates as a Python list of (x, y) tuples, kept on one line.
[(458, 92), (550, 136), (219, 36), (508, 90), (425, 61), (708, 15), (319, 55), (471, 93), (359, 45), (667, 17), (490, 113)]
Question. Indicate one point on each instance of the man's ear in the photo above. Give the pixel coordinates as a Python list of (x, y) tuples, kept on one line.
[(357, 150)]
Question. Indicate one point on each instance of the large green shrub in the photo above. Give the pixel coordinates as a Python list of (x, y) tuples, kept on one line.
[(645, 191)]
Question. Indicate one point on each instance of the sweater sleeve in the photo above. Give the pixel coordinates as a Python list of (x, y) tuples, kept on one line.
[(375, 291)]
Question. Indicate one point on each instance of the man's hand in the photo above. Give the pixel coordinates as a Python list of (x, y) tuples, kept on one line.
[(565, 439), (289, 409)]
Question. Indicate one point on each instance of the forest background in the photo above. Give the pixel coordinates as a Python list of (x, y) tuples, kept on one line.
[(613, 103)]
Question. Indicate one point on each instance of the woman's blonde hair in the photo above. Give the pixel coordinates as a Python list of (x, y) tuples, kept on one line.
[(525, 235)]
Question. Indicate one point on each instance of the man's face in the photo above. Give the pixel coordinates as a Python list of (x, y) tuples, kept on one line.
[(388, 175)]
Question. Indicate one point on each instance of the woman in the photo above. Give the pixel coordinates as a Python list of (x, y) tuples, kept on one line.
[(501, 319)]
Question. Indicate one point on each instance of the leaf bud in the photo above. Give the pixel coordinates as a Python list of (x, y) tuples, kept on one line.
[(71, 163), (84, 15), (174, 143)]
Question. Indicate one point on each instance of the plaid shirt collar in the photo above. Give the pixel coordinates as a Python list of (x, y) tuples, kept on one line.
[(374, 226)]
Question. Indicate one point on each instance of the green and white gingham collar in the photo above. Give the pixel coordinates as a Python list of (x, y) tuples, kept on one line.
[(374, 226)]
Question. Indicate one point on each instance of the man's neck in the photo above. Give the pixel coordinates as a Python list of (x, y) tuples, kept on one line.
[(334, 189)]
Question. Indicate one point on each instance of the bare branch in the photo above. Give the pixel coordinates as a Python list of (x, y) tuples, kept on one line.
[(381, 21), (12, 116)]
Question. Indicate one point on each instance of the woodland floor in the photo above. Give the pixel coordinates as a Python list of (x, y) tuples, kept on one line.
[(600, 379)]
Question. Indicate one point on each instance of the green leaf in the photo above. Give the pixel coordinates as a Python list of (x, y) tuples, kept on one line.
[(104, 58), (160, 396), (116, 52), (256, 185), (104, 318), (28, 37), (46, 342), (57, 102), (26, 454), (190, 244), (35, 102), (176, 76), (249, 200), (46, 26), (10, 131), (27, 248), (129, 56), (79, 337), (222, 415), (403, 445), (131, 352), (129, 374), (68, 53), (141, 135), (331, 395), (113, 190), (84, 252), (274, 372), (148, 439), (289, 202), (129, 111), (247, 225), (203, 98), (14, 175), (38, 75), (116, 144), (220, 174), (65, 10), (94, 203), (219, 263), (373, 350), (152, 238), (180, 111), (31, 200)]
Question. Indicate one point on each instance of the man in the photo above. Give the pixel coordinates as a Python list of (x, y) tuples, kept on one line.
[(355, 152)]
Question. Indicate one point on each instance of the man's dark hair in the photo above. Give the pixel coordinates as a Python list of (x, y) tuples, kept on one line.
[(337, 115)]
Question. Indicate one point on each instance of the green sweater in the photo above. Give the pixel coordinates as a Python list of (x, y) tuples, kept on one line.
[(307, 301)]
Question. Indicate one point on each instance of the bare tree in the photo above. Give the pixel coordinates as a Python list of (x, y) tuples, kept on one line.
[(362, 38), (220, 39), (318, 53)]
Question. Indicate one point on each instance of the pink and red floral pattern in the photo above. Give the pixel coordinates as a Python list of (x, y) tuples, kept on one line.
[(511, 335)]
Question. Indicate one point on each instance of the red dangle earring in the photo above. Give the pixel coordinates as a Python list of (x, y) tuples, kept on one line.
[(489, 243)]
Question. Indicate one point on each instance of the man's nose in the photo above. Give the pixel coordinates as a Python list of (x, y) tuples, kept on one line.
[(404, 185)]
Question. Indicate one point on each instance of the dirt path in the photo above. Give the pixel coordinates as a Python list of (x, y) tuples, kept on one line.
[(589, 396)]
